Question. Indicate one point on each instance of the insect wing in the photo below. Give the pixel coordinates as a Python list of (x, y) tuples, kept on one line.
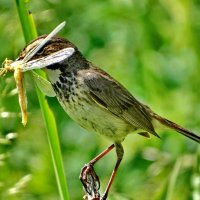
[(48, 60), (44, 85), (37, 48)]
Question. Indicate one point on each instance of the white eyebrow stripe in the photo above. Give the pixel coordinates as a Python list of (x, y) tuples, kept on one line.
[(48, 60), (31, 53)]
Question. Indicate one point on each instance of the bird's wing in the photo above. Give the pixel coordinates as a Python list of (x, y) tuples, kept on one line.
[(114, 97)]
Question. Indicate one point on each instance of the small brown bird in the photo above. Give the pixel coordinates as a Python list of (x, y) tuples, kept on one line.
[(96, 101)]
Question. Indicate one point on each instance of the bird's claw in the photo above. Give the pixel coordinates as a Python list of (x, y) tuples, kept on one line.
[(90, 182)]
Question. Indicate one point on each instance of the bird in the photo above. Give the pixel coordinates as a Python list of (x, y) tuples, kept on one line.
[(96, 101)]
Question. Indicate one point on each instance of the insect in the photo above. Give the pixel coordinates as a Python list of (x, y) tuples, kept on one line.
[(19, 67)]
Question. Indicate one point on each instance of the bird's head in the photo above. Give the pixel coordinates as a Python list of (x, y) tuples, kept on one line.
[(55, 44), (53, 54)]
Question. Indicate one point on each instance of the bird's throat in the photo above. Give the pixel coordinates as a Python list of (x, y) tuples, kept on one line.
[(53, 75)]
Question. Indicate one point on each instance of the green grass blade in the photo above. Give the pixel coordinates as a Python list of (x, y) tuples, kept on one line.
[(54, 146), (33, 30), (30, 33), (24, 19)]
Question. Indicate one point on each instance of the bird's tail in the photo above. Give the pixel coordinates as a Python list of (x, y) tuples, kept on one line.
[(175, 127)]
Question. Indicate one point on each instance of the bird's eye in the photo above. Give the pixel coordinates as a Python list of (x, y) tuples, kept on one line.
[(40, 51)]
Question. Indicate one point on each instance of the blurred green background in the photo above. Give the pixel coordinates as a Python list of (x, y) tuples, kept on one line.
[(152, 48)]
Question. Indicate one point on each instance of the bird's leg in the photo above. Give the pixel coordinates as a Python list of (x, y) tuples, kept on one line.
[(120, 153), (88, 176), (102, 154)]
